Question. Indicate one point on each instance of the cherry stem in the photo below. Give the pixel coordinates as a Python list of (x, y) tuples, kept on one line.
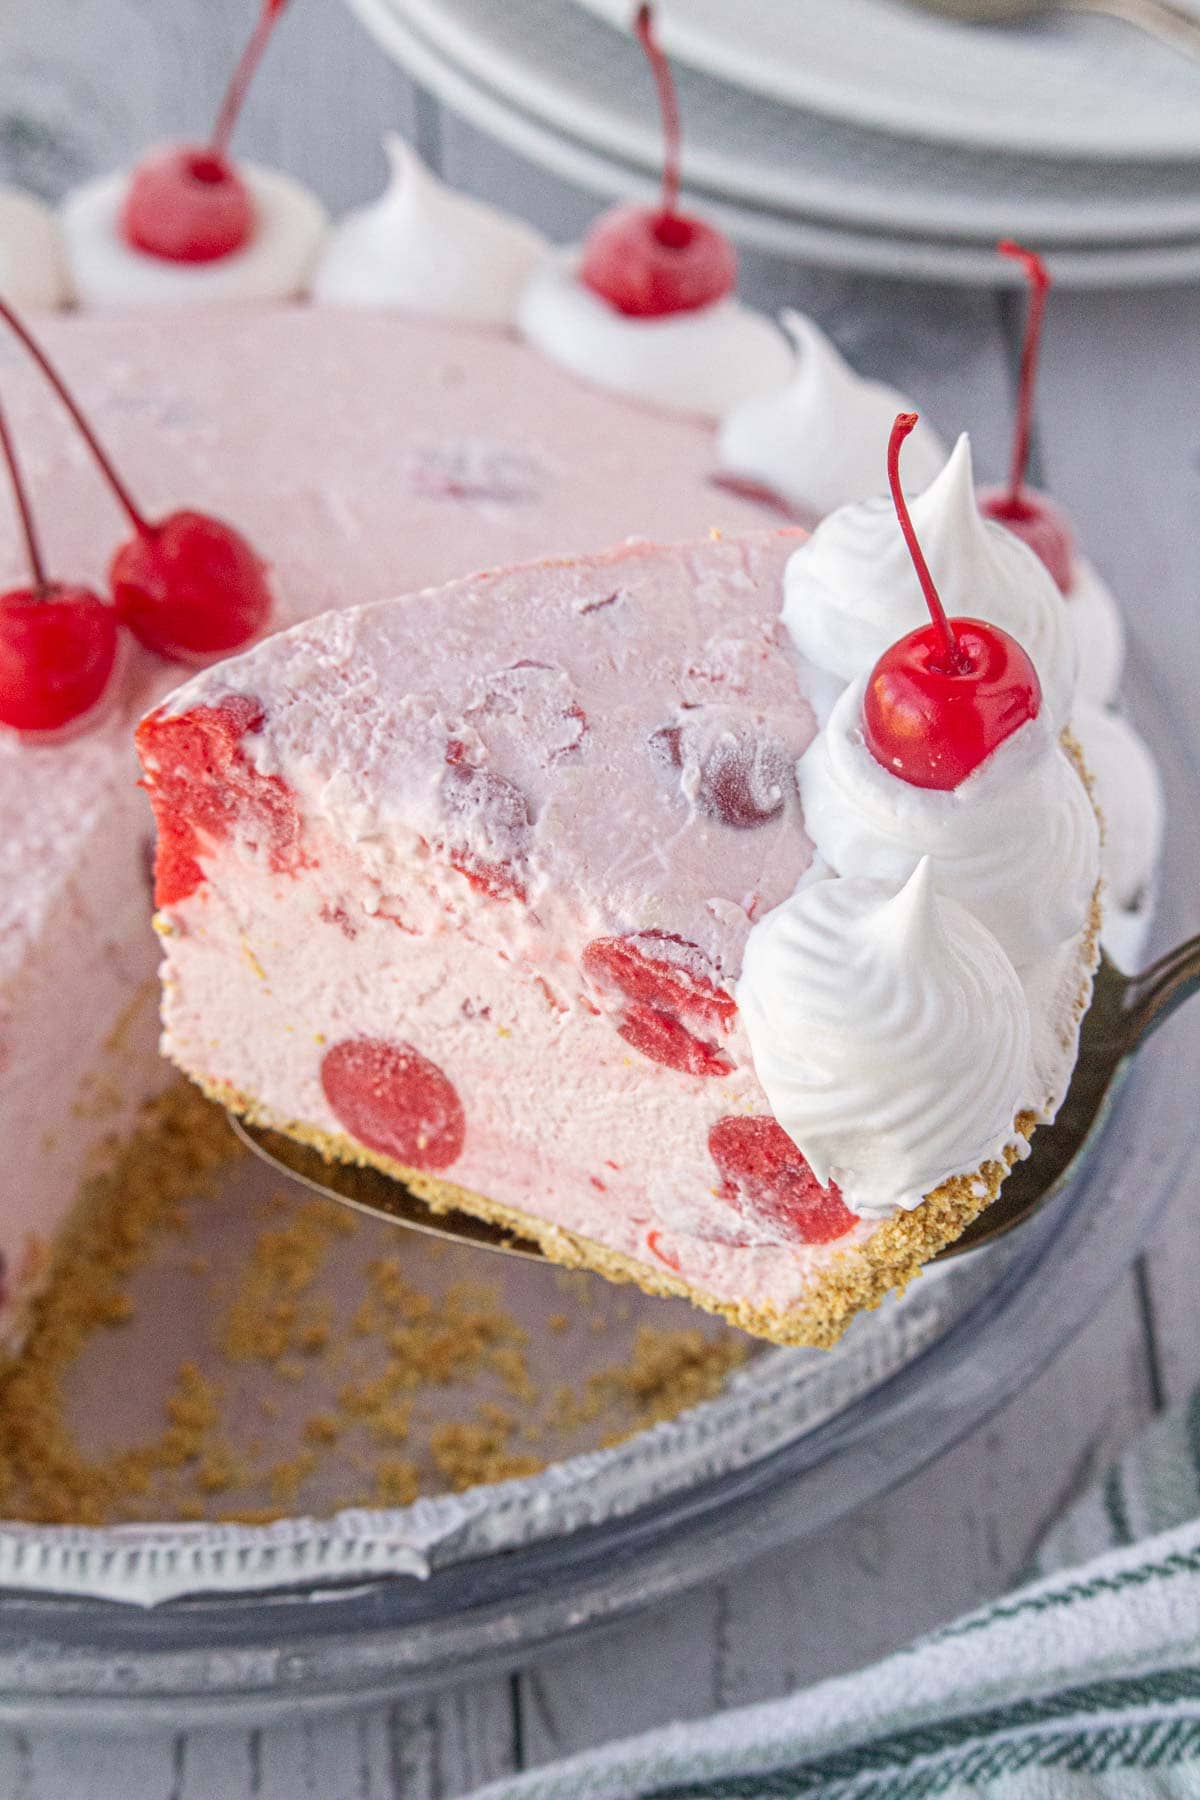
[(21, 496), (904, 423), (1038, 277), (668, 102), (17, 326), (242, 76)]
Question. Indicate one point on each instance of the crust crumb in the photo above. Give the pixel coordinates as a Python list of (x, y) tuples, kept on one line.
[(410, 1385)]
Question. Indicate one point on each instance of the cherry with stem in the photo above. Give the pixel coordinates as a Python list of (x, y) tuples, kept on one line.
[(58, 641), (652, 261), (189, 586), (29, 530), (668, 103), (30, 344), (188, 203), (952, 653), (1030, 516), (240, 80), (1038, 277), (941, 699)]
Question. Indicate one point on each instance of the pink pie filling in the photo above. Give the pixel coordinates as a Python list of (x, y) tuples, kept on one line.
[(457, 907)]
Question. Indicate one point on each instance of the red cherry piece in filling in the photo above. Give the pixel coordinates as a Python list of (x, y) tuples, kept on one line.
[(1038, 522), (538, 702), (661, 1037), (394, 1101), (203, 787), (764, 1173), (1030, 516), (650, 262), (489, 828), (58, 648), (743, 778), (185, 204), (940, 700), (668, 1000), (190, 587), (661, 969), (188, 203), (656, 1247)]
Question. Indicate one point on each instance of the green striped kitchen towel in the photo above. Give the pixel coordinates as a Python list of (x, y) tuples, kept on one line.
[(1084, 1683)]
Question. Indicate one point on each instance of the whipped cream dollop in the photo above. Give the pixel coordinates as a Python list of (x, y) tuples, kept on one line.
[(1099, 633), (276, 264), (891, 1035), (32, 269), (1017, 842), (820, 441), (851, 590), (423, 246), (1129, 794), (703, 362)]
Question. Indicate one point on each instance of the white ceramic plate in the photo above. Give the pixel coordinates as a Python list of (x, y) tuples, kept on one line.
[(1071, 84), (569, 75), (547, 81)]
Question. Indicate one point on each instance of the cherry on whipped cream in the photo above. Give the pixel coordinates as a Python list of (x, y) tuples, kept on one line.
[(652, 261), (188, 586), (1031, 516), (58, 640), (188, 203), (942, 698)]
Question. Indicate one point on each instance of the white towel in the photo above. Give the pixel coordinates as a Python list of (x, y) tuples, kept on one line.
[(1082, 1685)]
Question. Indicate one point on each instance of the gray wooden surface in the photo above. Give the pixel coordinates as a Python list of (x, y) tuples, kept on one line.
[(85, 82)]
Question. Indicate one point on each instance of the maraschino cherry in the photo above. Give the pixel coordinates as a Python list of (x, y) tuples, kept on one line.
[(189, 586), (188, 203), (648, 261), (58, 640), (941, 699), (1031, 516)]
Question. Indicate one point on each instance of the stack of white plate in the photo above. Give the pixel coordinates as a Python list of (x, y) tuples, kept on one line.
[(858, 133)]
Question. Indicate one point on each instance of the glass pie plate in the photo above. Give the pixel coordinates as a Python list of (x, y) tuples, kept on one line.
[(176, 1624)]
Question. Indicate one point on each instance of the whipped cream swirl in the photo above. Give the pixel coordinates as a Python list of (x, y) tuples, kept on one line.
[(891, 1035), (276, 264), (1129, 795), (427, 248), (851, 590), (32, 271), (701, 362), (1099, 633), (1017, 842), (821, 441)]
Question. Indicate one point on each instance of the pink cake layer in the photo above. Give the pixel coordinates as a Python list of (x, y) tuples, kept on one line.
[(364, 455), (516, 831)]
